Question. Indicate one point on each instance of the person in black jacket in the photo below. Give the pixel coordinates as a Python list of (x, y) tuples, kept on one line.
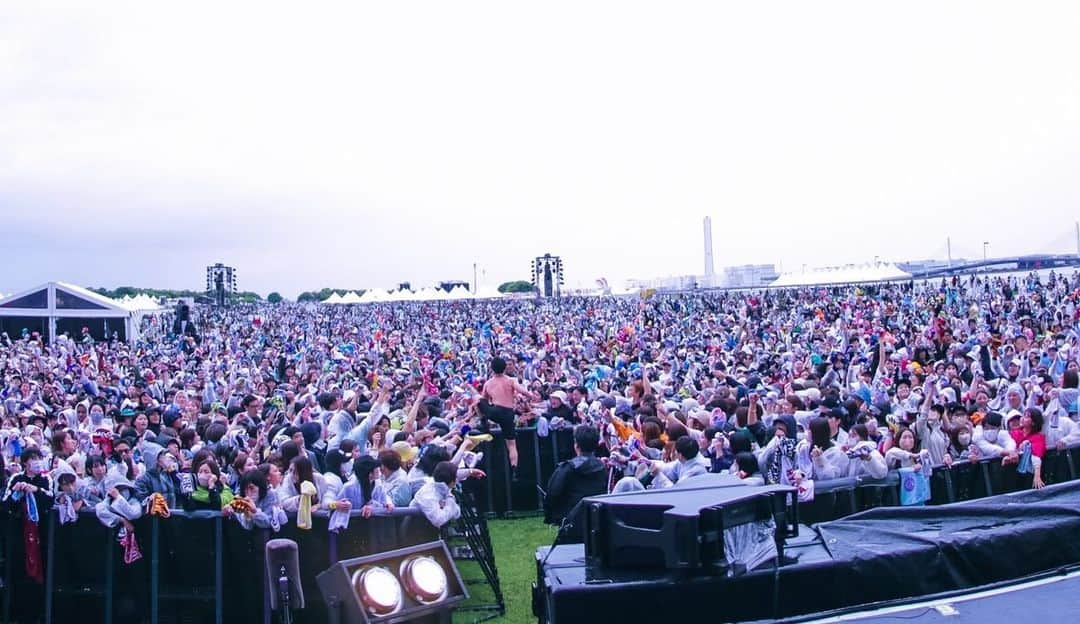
[(27, 498), (577, 478)]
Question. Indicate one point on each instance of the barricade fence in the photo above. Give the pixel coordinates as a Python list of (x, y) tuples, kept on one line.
[(205, 562), (498, 495), (197, 563)]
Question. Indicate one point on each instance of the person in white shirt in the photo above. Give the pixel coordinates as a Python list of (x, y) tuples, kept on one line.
[(865, 459), (829, 461), (992, 440), (436, 497), (906, 452)]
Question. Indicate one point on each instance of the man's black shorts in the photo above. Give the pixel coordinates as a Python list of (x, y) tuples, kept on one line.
[(505, 417)]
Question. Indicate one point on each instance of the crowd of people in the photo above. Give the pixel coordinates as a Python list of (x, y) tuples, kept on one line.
[(269, 413)]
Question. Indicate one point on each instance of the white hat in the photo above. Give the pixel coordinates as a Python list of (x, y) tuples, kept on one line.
[(559, 394)]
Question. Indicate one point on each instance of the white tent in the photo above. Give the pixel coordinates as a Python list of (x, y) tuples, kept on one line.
[(333, 299), (487, 292), (425, 294), (375, 295), (847, 274), (140, 303), (457, 293), (351, 297), (55, 307), (401, 295)]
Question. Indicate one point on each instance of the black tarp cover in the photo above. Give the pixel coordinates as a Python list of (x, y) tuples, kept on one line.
[(882, 555), (899, 552)]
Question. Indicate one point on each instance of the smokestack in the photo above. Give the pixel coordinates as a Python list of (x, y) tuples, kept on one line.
[(709, 272)]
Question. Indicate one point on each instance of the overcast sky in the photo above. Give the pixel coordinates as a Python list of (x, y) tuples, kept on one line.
[(361, 147)]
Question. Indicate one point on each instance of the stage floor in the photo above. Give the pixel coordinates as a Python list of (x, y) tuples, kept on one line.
[(1055, 599)]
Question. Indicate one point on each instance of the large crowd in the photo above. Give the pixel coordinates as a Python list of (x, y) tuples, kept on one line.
[(269, 413)]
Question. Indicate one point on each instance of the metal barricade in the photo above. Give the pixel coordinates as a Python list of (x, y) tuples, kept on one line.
[(192, 561), (500, 495)]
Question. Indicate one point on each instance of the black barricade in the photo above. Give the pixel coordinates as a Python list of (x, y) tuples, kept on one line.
[(832, 499), (500, 495), (198, 563), (205, 564), (962, 481), (538, 455)]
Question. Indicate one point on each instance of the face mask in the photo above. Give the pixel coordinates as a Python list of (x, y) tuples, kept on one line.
[(933, 422), (801, 436), (964, 439), (346, 468), (990, 435), (37, 466), (170, 464), (204, 480), (96, 417)]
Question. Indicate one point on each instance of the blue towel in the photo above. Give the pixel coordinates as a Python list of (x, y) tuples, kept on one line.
[(914, 487)]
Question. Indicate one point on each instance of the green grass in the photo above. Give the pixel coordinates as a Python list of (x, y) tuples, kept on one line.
[(515, 542)]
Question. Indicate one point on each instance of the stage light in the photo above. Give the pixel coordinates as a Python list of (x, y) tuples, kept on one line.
[(393, 586), (378, 589), (424, 579)]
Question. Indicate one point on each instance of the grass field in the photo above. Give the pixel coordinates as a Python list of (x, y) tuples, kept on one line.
[(514, 542)]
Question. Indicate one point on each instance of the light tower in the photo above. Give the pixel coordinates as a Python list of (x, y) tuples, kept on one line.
[(709, 270)]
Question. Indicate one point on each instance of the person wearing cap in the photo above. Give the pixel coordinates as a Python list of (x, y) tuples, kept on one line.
[(559, 409), (835, 418), (992, 440)]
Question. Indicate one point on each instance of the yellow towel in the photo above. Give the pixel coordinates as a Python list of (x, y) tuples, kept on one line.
[(303, 514)]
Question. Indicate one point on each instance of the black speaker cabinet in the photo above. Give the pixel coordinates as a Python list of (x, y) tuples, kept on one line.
[(681, 528)]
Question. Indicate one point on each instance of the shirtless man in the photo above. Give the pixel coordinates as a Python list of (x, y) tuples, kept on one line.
[(499, 393)]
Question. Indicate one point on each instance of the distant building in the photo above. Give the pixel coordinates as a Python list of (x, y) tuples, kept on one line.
[(673, 282), (749, 276)]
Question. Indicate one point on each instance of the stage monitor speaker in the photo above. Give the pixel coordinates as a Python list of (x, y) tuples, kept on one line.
[(682, 528), (403, 585)]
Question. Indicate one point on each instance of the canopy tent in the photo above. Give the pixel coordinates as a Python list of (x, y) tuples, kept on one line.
[(140, 303), (351, 297), (375, 295), (428, 294), (487, 292), (401, 295), (458, 293), (54, 308), (847, 274), (333, 299)]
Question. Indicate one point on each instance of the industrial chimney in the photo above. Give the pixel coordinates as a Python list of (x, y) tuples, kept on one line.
[(709, 271)]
